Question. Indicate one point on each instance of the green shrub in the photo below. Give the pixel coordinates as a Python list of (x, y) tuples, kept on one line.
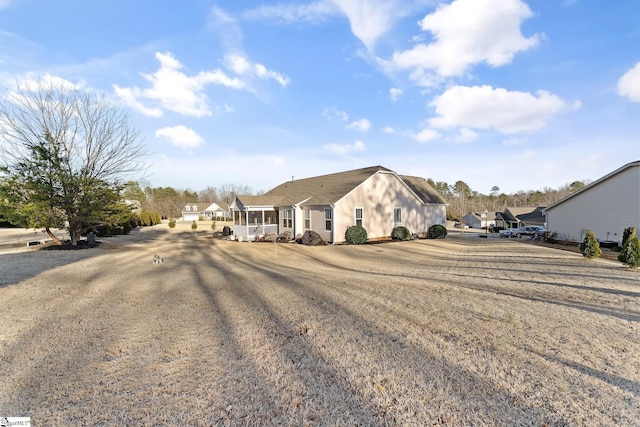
[(630, 253), (590, 248), (172, 223), (400, 233), (437, 231), (356, 235), (194, 225)]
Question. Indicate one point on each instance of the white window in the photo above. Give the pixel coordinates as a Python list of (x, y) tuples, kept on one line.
[(327, 219), (195, 208), (287, 218), (307, 219), (359, 214), (188, 208), (397, 216)]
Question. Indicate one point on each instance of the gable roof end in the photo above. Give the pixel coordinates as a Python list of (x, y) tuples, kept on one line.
[(593, 184)]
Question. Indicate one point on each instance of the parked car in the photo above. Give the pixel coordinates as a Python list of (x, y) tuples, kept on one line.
[(507, 232), (530, 230)]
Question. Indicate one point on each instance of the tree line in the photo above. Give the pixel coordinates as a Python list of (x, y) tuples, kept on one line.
[(169, 202), (463, 200)]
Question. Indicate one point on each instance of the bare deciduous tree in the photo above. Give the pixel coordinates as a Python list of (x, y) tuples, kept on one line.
[(79, 145)]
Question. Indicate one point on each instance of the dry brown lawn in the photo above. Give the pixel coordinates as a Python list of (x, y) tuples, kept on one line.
[(460, 331)]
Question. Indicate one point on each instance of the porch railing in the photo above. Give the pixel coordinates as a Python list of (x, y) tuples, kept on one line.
[(250, 231)]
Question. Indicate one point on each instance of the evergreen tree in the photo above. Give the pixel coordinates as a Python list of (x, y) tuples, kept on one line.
[(590, 248), (630, 253)]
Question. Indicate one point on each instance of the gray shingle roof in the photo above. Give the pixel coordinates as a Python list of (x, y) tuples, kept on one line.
[(421, 187), (328, 189)]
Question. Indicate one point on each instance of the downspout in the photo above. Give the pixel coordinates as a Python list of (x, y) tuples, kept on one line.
[(246, 223), (333, 224), (295, 215)]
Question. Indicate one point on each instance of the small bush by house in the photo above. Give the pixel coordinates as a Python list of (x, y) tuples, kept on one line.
[(356, 235), (401, 233), (437, 231)]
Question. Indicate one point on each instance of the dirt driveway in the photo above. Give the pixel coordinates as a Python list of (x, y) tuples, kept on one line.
[(457, 331)]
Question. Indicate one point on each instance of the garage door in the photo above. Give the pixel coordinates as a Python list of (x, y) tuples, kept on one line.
[(189, 216)]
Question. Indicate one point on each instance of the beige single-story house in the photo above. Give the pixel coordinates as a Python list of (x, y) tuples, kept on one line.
[(606, 206), (375, 197)]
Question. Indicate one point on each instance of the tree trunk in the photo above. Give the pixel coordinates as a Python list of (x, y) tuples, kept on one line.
[(52, 236)]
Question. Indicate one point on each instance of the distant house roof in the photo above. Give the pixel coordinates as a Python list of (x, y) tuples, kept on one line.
[(213, 207), (515, 214), (594, 183), (200, 207), (329, 189), (533, 216)]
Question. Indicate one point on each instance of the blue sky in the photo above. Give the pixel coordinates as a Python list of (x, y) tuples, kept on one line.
[(519, 95)]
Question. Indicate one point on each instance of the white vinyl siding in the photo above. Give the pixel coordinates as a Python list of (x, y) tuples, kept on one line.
[(606, 208)]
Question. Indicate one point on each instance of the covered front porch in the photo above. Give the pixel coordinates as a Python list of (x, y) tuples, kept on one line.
[(254, 222)]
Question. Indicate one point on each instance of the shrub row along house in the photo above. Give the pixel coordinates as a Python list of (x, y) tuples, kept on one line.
[(376, 198), (606, 206)]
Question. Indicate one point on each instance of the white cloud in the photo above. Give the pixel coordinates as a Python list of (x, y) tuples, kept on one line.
[(242, 66), (130, 97), (362, 125), (466, 135), (395, 93), (483, 107), (388, 130), (32, 80), (369, 19), (174, 90), (426, 135), (345, 148), (227, 27), (465, 33), (333, 112), (180, 136), (629, 84), (513, 141), (313, 12)]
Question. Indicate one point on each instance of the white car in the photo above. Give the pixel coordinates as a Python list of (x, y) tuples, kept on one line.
[(507, 232)]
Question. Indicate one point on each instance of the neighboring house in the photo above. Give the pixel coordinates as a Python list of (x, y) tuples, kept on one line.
[(375, 197), (214, 211), (194, 211), (520, 217), (478, 220), (606, 206)]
